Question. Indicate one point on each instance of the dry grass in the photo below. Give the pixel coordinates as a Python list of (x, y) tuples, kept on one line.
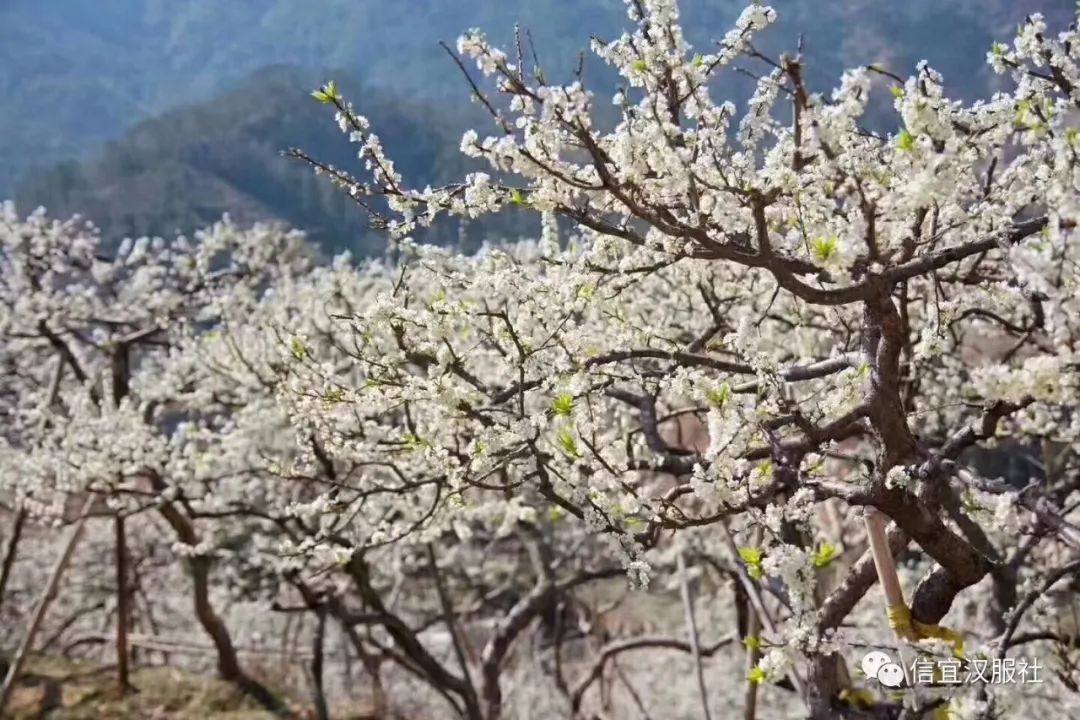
[(65, 690)]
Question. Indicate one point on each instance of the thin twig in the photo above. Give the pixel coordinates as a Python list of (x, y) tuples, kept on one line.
[(692, 631), (756, 601)]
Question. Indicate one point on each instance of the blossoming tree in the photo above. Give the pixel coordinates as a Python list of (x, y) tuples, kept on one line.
[(151, 385), (851, 313), (91, 414)]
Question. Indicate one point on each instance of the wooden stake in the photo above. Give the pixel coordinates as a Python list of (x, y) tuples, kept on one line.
[(876, 522), (44, 600), (123, 607)]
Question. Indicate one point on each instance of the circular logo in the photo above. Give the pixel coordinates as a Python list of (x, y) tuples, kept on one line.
[(891, 675)]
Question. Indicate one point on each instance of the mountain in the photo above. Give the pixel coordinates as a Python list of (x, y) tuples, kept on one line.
[(74, 74), (156, 116), (183, 169)]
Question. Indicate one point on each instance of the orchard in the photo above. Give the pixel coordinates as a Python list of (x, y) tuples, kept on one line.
[(757, 361)]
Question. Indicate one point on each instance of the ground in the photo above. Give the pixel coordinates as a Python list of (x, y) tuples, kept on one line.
[(59, 689)]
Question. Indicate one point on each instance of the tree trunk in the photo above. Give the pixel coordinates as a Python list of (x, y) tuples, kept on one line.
[(228, 663), (11, 550), (123, 607), (318, 646)]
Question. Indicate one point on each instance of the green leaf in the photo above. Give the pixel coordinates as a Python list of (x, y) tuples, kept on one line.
[(299, 349), (825, 247), (971, 502), (568, 443), (1000, 49), (555, 514), (698, 60), (1022, 109), (641, 65), (897, 91), (756, 675), (415, 442), (517, 197), (563, 404), (751, 555), (752, 642), (824, 554), (719, 397), (905, 141), (333, 397), (328, 93)]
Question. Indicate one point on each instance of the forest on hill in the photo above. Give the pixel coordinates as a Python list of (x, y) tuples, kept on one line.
[(157, 117), (184, 169)]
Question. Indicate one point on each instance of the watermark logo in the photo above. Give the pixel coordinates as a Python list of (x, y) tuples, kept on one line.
[(923, 670), (879, 666)]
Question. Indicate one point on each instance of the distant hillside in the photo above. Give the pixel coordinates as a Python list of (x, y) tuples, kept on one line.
[(182, 170), (74, 74)]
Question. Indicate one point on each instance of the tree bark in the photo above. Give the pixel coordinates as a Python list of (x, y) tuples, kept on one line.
[(318, 646), (404, 637), (123, 606), (11, 550), (227, 661), (960, 565)]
